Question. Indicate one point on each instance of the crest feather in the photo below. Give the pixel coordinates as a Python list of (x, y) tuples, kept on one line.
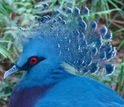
[(77, 41)]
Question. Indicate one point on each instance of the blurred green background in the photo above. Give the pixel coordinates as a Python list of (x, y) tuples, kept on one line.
[(21, 13)]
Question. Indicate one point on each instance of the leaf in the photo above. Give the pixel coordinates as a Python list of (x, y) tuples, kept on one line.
[(21, 10), (120, 45), (27, 4), (120, 30), (26, 20), (120, 79), (29, 10), (5, 41), (6, 54), (105, 12)]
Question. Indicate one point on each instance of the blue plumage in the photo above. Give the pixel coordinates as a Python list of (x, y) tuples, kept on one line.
[(85, 11), (57, 40)]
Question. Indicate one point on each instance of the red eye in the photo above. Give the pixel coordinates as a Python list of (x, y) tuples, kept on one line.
[(33, 60)]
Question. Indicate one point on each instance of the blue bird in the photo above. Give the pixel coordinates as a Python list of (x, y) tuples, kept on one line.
[(64, 39)]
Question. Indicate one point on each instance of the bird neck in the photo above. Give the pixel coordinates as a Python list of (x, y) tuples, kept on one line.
[(41, 77)]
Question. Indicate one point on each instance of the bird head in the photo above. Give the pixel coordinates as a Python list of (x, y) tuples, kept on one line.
[(66, 38), (37, 52)]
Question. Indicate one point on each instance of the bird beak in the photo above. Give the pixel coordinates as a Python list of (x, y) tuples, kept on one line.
[(11, 71)]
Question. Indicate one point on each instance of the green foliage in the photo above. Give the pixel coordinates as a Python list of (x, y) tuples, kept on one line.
[(105, 6), (120, 45), (120, 79), (5, 91), (16, 13), (5, 53)]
